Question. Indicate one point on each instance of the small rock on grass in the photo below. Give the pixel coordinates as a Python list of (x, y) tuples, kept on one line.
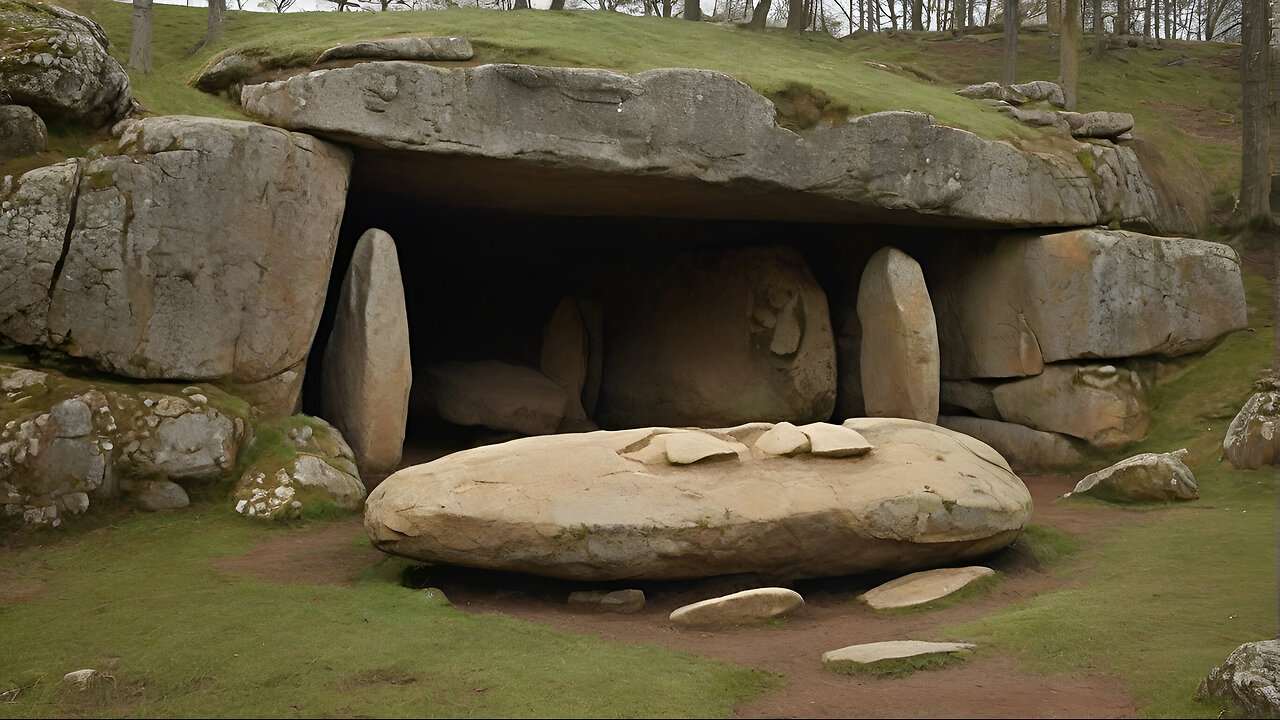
[(922, 587), (741, 608), (893, 657)]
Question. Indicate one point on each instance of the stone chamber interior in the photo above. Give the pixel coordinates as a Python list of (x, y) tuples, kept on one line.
[(487, 252)]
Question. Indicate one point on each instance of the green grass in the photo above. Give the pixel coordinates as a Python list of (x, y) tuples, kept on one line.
[(1175, 590), (139, 600)]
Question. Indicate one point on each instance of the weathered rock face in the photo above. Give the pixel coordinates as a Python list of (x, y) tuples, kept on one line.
[(367, 370), (708, 134), (717, 338), (1103, 405), (1251, 438), (224, 226), (56, 63), (1149, 477), (66, 442), (35, 212), (1248, 678), (1082, 294), (899, 355), (661, 503), (22, 132)]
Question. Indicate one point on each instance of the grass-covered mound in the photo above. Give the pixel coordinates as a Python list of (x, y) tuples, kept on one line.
[(1184, 96)]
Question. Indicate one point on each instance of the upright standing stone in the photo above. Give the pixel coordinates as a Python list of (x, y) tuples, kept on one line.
[(565, 355), (899, 339), (367, 373)]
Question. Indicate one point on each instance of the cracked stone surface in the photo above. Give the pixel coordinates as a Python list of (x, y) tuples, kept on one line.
[(700, 139), (601, 506), (225, 226), (1104, 405), (1031, 300)]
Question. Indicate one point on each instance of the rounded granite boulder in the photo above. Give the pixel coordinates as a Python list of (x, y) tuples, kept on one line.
[(663, 503)]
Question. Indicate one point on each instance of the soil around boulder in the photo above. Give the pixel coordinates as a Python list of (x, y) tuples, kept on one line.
[(987, 685)]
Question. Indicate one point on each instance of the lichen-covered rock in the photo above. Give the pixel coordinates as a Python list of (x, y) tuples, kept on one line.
[(629, 504), (56, 62), (1249, 678), (225, 226), (22, 132), (1149, 477), (713, 133), (66, 442), (1251, 438), (35, 212), (306, 468)]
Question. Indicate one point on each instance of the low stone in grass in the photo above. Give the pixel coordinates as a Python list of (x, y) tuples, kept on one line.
[(1250, 678), (1149, 477), (156, 495), (922, 587), (741, 608), (894, 658), (617, 601)]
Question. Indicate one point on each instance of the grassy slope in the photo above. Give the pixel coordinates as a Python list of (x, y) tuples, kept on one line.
[(140, 600), (1159, 602)]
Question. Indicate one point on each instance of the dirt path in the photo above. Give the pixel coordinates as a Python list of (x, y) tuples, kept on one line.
[(832, 618)]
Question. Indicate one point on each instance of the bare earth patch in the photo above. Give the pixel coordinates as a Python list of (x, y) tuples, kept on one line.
[(983, 686)]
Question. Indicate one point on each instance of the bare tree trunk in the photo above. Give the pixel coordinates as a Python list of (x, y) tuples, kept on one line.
[(1122, 17), (1009, 73), (692, 10), (1254, 209), (213, 25), (958, 17), (559, 5), (1053, 13), (140, 37), (1099, 38), (761, 14), (796, 19), (1067, 51), (917, 14)]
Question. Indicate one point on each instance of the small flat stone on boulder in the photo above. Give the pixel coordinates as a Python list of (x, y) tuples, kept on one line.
[(783, 439), (410, 48), (827, 440), (922, 587), (854, 657), (1149, 477), (741, 608), (616, 601), (686, 448)]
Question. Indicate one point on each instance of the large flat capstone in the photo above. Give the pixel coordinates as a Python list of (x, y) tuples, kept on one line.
[(576, 140), (632, 504)]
